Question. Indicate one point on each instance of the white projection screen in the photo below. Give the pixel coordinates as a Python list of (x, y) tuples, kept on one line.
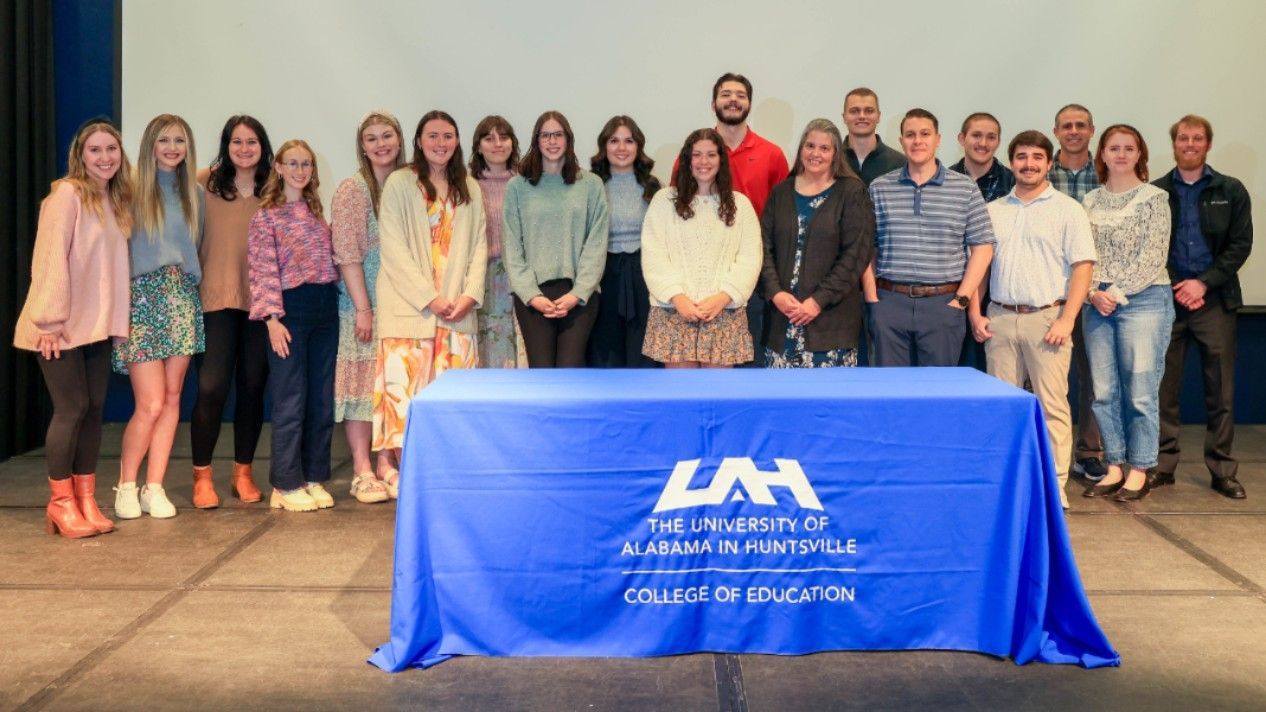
[(311, 68)]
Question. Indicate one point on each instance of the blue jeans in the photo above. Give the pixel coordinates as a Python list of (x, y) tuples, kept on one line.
[(302, 387), (1126, 350)]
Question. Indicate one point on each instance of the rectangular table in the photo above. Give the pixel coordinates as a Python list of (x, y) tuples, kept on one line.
[(656, 512)]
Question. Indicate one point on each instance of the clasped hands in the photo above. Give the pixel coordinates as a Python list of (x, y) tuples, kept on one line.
[(1190, 293), (797, 312), (705, 310), (451, 311), (557, 308)]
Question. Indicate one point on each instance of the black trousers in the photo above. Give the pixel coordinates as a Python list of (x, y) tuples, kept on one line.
[(1212, 329), (302, 387), (77, 383), (556, 343), (916, 331), (237, 352), (620, 327)]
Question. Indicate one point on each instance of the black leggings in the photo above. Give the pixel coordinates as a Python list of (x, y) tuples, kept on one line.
[(556, 343), (234, 343), (77, 382)]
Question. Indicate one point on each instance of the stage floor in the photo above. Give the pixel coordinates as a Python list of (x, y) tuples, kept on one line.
[(242, 607)]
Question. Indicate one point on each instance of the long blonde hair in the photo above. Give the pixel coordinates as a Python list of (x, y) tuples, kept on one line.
[(119, 189), (366, 170), (274, 190), (149, 196)]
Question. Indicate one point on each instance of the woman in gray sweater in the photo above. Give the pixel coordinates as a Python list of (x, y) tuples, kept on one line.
[(555, 246)]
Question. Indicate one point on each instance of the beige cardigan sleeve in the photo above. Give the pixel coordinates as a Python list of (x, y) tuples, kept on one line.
[(49, 301), (402, 227)]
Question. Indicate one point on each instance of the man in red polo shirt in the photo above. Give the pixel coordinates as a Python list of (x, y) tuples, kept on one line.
[(756, 165)]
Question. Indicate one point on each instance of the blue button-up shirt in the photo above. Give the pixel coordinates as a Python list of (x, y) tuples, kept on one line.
[(1190, 255), (1074, 184)]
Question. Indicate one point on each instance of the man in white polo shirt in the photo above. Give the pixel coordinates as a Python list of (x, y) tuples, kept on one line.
[(1038, 280)]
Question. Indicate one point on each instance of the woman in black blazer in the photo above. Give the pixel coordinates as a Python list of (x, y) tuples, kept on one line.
[(819, 230)]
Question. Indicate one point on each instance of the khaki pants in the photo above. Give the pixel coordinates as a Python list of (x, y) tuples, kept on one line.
[(1015, 352)]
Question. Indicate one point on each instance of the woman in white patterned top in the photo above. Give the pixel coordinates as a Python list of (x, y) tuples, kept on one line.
[(1130, 312)]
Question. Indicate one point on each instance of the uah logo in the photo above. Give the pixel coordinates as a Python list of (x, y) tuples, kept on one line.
[(736, 470)]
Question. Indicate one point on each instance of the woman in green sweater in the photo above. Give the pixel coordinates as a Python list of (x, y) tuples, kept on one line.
[(555, 246)]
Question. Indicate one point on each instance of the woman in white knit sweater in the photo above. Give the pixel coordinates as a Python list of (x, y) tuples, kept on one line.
[(701, 255)]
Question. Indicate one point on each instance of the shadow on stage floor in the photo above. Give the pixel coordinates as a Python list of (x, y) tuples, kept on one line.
[(241, 608)]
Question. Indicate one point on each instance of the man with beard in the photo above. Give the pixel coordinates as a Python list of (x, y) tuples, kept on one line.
[(1073, 173), (756, 165), (1211, 238), (1039, 278), (867, 155)]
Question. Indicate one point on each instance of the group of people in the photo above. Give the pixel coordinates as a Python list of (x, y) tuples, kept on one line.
[(511, 260)]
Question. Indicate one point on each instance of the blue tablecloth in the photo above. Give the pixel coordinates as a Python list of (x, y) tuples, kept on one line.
[(655, 512)]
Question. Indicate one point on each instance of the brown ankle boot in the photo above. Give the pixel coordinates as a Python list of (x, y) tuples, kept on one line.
[(85, 489), (63, 514), (244, 485), (204, 496)]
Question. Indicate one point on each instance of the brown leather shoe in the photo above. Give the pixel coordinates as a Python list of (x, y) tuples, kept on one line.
[(85, 498), (204, 496), (63, 515), (244, 485)]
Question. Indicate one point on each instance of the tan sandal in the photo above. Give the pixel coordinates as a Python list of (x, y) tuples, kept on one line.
[(392, 483), (367, 489)]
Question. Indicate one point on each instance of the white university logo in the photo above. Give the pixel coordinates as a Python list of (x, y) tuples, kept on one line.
[(736, 471)]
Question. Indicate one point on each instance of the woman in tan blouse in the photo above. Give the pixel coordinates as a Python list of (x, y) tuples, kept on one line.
[(237, 348)]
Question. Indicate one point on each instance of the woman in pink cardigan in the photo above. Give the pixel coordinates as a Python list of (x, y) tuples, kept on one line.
[(82, 241)]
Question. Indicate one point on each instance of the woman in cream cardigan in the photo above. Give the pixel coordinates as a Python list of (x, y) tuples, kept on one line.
[(701, 255), (432, 238)]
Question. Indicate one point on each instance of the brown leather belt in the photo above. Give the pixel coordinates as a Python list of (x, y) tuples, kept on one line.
[(1025, 309), (917, 290)]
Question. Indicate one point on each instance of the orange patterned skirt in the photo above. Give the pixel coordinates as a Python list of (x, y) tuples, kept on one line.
[(403, 368)]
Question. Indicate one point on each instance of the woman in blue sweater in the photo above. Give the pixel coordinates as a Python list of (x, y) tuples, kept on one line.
[(165, 328), (622, 164)]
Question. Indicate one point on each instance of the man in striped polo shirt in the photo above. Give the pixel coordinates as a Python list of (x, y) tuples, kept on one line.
[(933, 244), (1040, 276)]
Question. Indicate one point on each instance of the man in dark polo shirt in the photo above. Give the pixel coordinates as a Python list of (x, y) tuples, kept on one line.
[(933, 245), (866, 153), (1211, 239)]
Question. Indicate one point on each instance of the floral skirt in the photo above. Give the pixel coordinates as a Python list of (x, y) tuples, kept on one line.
[(353, 371), (403, 368), (795, 355), (500, 343), (724, 341), (165, 319)]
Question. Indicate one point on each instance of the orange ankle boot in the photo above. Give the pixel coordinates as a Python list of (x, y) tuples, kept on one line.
[(63, 515), (204, 496), (244, 485), (85, 498)]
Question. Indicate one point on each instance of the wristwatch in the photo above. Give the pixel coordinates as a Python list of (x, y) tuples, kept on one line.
[(963, 300)]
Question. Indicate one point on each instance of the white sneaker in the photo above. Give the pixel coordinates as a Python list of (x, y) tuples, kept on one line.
[(319, 495), (154, 502), (126, 505)]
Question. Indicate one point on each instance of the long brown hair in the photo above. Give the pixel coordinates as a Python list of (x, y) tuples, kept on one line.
[(274, 191), (454, 172), (148, 205), (1140, 168), (487, 125), (118, 189), (533, 165), (642, 163), (688, 187)]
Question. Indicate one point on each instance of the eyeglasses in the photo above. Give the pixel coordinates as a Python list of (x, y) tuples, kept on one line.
[(552, 135), (296, 165)]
